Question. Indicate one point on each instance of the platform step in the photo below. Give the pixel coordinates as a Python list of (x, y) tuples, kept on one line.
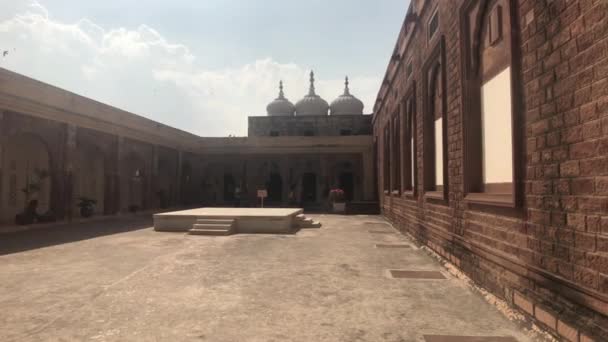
[(215, 221), (212, 226), (309, 223), (315, 224), (199, 231), (300, 217)]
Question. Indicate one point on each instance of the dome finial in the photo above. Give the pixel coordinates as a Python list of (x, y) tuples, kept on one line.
[(346, 90), (346, 104), (281, 94), (311, 90), (280, 106)]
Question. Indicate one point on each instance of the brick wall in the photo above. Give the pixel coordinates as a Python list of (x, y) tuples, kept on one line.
[(548, 257)]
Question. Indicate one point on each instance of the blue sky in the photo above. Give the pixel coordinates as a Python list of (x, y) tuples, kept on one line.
[(204, 65)]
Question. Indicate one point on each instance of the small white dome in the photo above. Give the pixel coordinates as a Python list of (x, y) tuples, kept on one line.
[(312, 104), (346, 104), (280, 106)]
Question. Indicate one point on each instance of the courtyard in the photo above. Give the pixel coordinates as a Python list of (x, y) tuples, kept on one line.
[(119, 280)]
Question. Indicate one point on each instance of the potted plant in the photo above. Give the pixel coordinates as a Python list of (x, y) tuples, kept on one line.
[(33, 185), (87, 206), (336, 196)]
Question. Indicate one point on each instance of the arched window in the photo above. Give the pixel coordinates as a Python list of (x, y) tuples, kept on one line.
[(396, 152), (490, 121), (435, 126), (436, 114), (409, 141), (386, 174)]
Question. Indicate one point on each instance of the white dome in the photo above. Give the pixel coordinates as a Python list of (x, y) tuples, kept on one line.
[(280, 106), (312, 104), (346, 104)]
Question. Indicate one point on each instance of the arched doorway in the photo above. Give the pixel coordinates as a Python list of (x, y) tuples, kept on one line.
[(229, 187), (135, 183), (309, 187), (26, 166), (186, 184), (346, 182), (89, 182), (165, 188), (274, 185)]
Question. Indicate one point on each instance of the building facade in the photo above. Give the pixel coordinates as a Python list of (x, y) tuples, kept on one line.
[(491, 132), (488, 143), (57, 147)]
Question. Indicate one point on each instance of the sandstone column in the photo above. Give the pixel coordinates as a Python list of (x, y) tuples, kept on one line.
[(178, 192), (120, 188), (284, 172), (2, 135), (69, 170), (368, 175), (154, 180), (325, 179)]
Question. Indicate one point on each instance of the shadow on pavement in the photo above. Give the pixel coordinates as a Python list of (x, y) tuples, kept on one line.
[(38, 238)]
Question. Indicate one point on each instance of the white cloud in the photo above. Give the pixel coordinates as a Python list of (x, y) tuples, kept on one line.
[(140, 71)]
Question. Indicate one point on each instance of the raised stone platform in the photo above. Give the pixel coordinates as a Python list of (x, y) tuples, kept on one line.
[(226, 221)]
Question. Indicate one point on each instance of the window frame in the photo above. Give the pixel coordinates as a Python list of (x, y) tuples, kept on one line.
[(386, 173), (409, 117), (409, 69), (435, 63), (432, 34), (475, 190), (396, 169)]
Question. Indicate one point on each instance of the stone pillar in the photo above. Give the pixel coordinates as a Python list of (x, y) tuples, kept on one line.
[(368, 175), (112, 202), (402, 151), (391, 155), (69, 171), (252, 186), (2, 135), (325, 178), (317, 171), (154, 180), (178, 192), (284, 172), (120, 190)]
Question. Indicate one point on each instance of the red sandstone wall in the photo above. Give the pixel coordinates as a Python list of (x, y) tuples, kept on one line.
[(549, 257)]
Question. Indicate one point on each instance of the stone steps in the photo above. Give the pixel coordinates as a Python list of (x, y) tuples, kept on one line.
[(301, 221), (212, 227), (212, 232)]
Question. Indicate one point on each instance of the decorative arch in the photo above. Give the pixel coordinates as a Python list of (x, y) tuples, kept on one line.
[(477, 36), (434, 83), (135, 179), (186, 183), (27, 175), (435, 125), (165, 183), (90, 176)]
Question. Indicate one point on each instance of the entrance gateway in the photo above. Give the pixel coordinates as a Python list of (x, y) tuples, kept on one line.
[(226, 221)]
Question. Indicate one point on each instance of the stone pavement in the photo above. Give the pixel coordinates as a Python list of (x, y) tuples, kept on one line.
[(121, 281)]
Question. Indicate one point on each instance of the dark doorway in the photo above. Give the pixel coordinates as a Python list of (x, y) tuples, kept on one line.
[(186, 180), (347, 184), (275, 188), (309, 187), (229, 188)]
